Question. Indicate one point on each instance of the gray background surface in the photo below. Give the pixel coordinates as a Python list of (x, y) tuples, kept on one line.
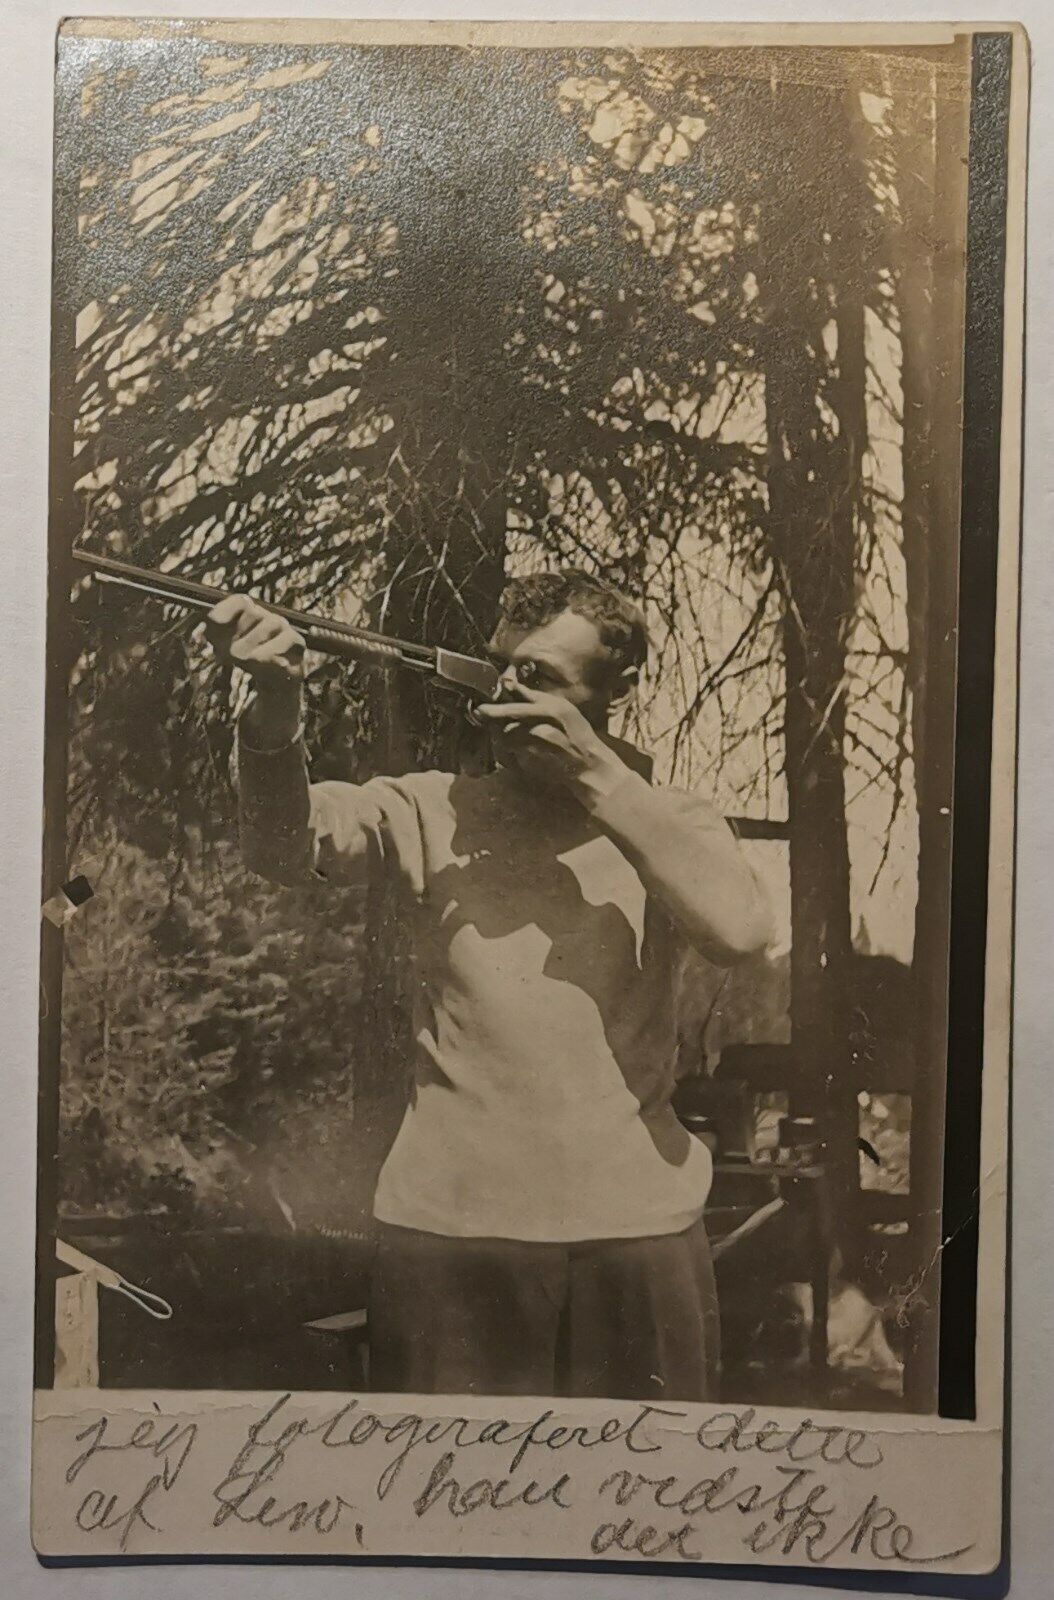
[(26, 46)]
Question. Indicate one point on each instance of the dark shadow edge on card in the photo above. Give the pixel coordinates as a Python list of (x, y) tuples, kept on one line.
[(982, 435), (958, 1586)]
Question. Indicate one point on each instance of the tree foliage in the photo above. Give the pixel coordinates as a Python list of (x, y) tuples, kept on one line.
[(364, 330)]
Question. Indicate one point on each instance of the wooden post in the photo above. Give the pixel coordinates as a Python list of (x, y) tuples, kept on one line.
[(77, 1331), (812, 478)]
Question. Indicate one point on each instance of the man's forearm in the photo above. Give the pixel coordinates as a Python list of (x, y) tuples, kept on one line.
[(273, 719), (686, 855), (273, 791), (300, 833)]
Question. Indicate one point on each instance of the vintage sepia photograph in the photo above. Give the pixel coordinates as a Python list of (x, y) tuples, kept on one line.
[(508, 661)]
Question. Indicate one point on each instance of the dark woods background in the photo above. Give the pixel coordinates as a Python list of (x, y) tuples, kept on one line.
[(365, 330)]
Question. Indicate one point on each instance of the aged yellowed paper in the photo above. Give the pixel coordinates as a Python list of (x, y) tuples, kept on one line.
[(529, 798)]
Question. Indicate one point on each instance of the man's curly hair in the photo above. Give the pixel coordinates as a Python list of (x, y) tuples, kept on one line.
[(529, 602)]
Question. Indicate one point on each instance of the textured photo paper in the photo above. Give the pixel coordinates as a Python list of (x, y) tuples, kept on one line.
[(529, 793)]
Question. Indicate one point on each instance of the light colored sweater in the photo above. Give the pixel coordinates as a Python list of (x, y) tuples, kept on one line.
[(548, 937)]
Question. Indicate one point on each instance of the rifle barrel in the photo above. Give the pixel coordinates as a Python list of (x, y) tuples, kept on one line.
[(320, 633)]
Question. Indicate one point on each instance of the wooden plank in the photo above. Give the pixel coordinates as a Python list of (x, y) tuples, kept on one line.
[(761, 1066), (878, 1205), (759, 828), (341, 1322)]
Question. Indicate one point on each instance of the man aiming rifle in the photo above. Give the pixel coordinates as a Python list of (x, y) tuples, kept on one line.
[(540, 1211)]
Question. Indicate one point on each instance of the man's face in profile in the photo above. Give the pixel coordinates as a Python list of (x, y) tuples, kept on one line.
[(564, 656)]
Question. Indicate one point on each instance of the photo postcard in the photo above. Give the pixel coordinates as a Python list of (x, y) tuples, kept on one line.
[(528, 808)]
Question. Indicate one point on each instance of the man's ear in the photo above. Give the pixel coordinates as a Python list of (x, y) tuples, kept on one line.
[(625, 682)]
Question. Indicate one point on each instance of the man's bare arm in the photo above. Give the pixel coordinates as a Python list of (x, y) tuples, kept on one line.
[(293, 831), (273, 789)]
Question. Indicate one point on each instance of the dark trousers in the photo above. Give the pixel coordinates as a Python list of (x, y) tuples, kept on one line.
[(632, 1319)]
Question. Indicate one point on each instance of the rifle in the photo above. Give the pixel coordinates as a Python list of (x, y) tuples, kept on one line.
[(467, 675)]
